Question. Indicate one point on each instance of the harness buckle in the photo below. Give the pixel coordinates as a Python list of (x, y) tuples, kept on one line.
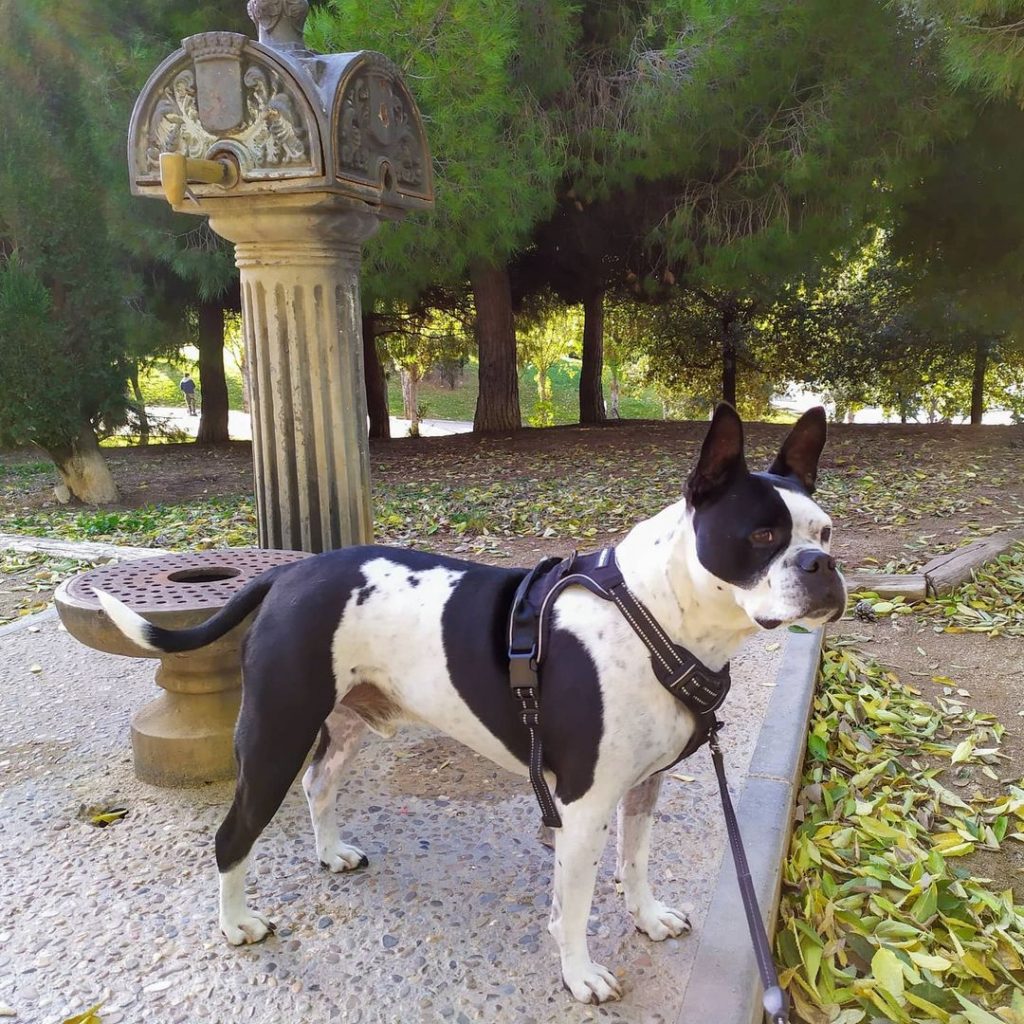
[(522, 669)]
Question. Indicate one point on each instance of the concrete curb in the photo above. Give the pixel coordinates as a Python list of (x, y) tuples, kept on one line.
[(724, 985)]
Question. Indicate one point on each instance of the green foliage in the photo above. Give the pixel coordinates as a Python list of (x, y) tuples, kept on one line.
[(903, 334), (798, 111), (442, 402), (495, 158), (983, 42), (548, 336), (59, 344), (878, 919), (962, 227)]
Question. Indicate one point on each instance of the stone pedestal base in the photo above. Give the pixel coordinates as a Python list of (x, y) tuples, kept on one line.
[(185, 739), (185, 736)]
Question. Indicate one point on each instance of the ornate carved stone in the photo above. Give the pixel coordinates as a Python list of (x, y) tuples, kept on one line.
[(221, 100), (342, 123), (377, 132), (280, 22), (217, 57)]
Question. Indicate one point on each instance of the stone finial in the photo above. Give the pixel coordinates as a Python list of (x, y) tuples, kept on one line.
[(280, 22)]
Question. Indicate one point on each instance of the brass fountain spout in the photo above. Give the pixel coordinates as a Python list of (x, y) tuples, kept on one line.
[(177, 170)]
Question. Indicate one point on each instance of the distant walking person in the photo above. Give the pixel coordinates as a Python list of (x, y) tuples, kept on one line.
[(188, 389)]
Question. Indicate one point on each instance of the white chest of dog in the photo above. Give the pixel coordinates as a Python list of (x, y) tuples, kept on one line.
[(372, 637)]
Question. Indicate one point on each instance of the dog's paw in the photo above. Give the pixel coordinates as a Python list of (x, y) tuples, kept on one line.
[(343, 858), (250, 927), (592, 983), (660, 922)]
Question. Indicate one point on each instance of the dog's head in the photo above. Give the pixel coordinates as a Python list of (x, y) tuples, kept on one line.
[(761, 536)]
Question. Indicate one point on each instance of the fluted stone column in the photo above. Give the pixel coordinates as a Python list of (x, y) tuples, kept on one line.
[(303, 333), (296, 157)]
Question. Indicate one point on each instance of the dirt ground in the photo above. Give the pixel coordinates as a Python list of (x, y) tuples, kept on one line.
[(896, 493)]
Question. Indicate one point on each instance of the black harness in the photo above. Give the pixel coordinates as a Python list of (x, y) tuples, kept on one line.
[(685, 676)]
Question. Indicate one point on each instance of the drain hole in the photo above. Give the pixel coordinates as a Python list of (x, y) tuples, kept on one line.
[(212, 575)]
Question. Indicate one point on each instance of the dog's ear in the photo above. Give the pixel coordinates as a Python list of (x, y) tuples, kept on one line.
[(721, 456), (802, 449)]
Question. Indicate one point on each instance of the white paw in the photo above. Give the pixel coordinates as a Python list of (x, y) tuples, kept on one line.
[(250, 927), (343, 858), (659, 922), (591, 983)]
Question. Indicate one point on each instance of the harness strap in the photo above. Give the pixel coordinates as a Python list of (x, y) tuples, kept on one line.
[(775, 1000), (525, 682)]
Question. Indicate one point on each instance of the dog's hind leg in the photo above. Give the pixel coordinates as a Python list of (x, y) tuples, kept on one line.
[(340, 738), (271, 743), (578, 846), (636, 812)]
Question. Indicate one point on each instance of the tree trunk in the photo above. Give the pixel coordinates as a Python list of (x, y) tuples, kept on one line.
[(729, 359), (981, 350), (376, 383), (591, 390), (497, 404), (213, 419), (83, 468), (613, 392), (140, 404), (411, 399)]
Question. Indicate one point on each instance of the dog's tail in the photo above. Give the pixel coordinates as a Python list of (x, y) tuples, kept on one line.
[(156, 638)]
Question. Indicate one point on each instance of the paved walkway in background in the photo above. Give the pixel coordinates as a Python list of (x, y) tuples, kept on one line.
[(448, 923), (240, 430)]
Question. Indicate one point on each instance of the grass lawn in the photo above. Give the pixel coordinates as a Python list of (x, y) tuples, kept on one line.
[(159, 384), (459, 403)]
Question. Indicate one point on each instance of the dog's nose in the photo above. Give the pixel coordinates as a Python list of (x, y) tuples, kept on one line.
[(813, 560)]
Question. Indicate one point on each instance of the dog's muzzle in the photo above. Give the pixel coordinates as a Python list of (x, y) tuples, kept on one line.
[(823, 585)]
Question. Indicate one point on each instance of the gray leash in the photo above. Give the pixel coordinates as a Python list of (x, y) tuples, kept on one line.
[(776, 1003)]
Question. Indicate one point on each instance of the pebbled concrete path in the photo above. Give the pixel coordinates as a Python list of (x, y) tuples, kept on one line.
[(448, 924)]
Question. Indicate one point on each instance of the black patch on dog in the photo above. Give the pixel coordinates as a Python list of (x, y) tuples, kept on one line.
[(413, 581), (365, 594), (723, 527), (475, 635)]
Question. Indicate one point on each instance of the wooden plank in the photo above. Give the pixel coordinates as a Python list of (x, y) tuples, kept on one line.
[(912, 586), (949, 571), (85, 550)]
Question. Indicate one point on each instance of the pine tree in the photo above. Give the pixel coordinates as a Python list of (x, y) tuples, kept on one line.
[(60, 344), (472, 66)]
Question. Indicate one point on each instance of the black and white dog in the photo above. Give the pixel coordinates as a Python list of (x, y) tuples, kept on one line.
[(370, 637)]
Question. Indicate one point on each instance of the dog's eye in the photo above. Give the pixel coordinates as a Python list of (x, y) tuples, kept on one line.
[(762, 537), (826, 534)]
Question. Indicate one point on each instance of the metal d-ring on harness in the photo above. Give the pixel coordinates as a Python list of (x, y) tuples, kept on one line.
[(680, 672)]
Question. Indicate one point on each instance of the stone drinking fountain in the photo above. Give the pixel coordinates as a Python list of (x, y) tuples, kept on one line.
[(295, 157)]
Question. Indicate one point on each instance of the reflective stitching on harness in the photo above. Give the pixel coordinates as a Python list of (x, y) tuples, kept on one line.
[(625, 611), (656, 626)]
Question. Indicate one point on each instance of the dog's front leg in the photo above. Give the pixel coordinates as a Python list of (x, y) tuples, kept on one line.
[(636, 813), (578, 846)]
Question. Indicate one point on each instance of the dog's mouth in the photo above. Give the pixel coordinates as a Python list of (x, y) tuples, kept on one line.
[(816, 616)]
